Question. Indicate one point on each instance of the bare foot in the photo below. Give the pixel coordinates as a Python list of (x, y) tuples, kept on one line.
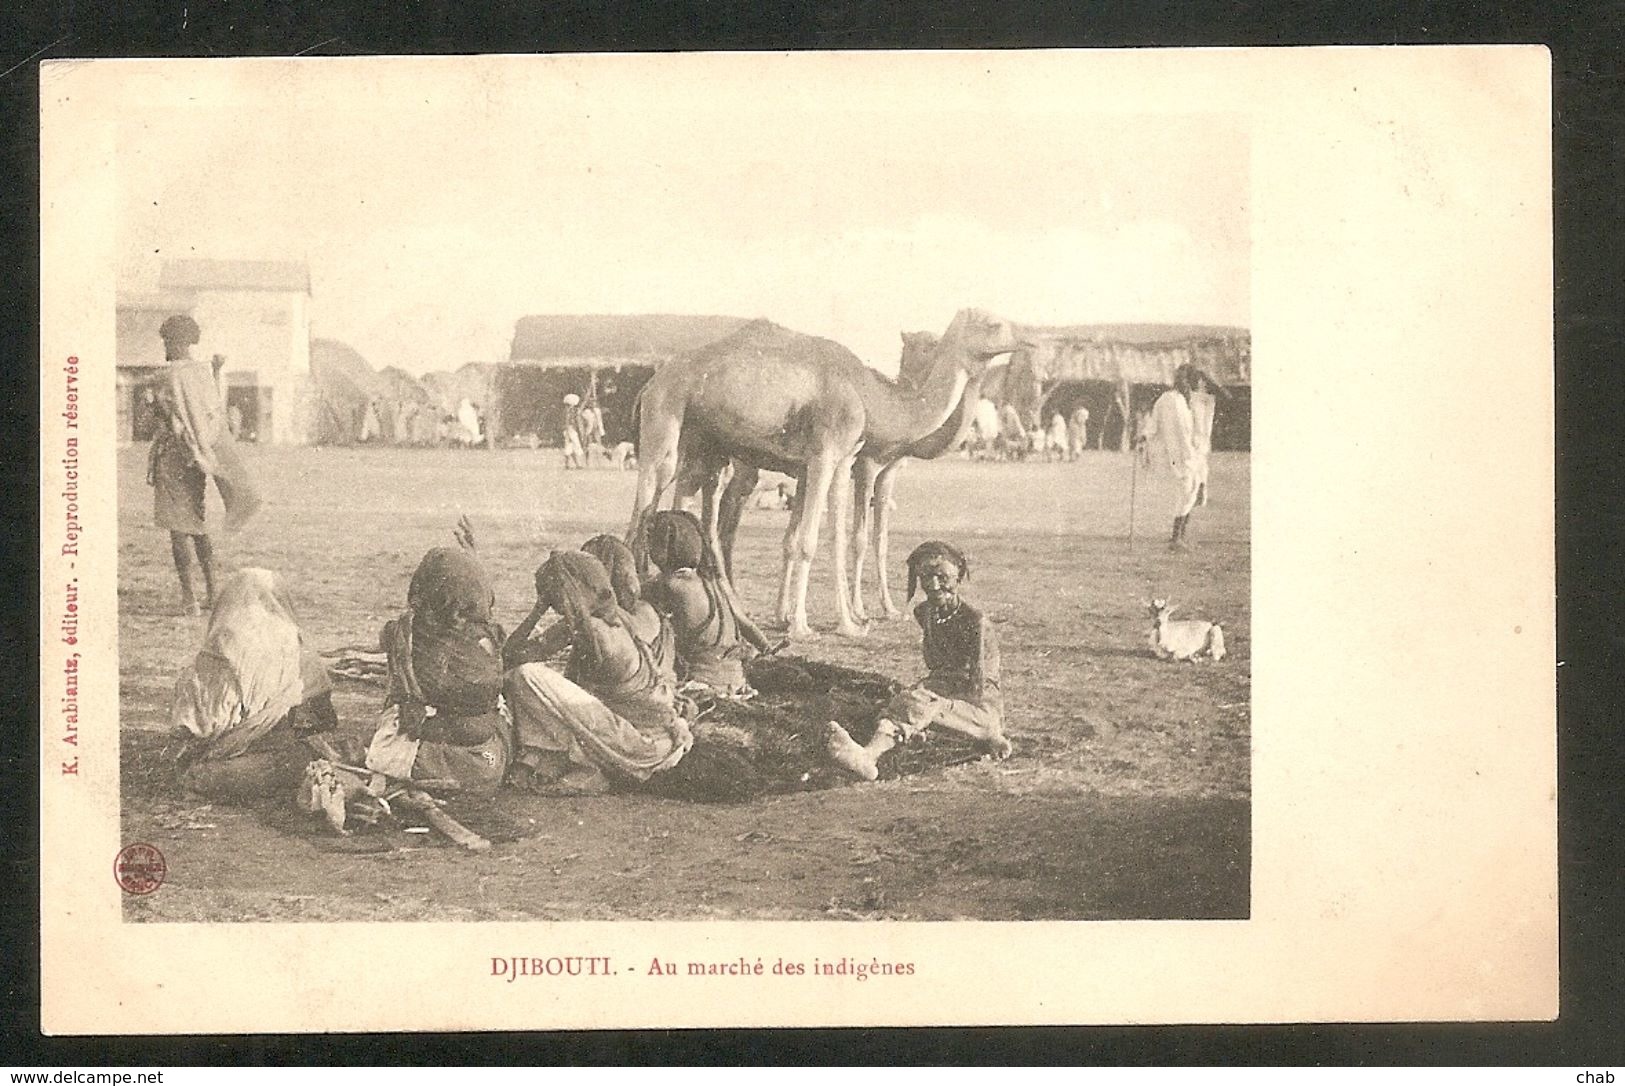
[(321, 790), (844, 751), (852, 629), (800, 631), (887, 735), (999, 747)]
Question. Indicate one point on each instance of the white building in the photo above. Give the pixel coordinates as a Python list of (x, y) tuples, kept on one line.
[(255, 314)]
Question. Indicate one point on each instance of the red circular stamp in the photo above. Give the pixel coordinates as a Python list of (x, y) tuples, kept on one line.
[(139, 868)]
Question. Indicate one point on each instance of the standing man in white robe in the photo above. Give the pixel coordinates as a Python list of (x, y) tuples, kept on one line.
[(1077, 432), (1169, 443), (1202, 403)]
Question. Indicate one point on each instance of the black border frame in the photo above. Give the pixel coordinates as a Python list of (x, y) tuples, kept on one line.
[(1589, 136)]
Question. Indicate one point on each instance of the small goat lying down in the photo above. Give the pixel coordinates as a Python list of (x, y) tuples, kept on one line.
[(1185, 639)]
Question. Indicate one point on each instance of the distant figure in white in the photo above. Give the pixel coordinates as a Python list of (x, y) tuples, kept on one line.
[(468, 417), (1077, 432), (1168, 440), (591, 427), (781, 495), (1013, 439), (574, 452), (983, 443), (1202, 406), (1055, 444)]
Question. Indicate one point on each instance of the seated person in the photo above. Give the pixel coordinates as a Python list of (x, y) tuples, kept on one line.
[(713, 639), (610, 719), (442, 718), (960, 691), (647, 625), (242, 707)]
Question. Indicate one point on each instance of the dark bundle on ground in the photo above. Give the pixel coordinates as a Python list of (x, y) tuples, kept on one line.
[(774, 742)]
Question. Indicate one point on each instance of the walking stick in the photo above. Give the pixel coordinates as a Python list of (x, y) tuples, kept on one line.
[(1133, 486)]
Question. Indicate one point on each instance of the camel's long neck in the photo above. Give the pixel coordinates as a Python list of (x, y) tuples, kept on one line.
[(955, 427), (899, 416)]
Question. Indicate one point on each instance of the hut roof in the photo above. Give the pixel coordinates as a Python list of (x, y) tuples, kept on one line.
[(1138, 334), (401, 386), (1138, 353), (596, 339), (340, 370), (471, 381)]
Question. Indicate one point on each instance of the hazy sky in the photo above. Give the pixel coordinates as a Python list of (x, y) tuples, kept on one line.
[(438, 203)]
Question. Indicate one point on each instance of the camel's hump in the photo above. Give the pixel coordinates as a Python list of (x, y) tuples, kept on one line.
[(762, 336)]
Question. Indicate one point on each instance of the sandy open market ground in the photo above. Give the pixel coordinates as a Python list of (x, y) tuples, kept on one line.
[(1127, 797)]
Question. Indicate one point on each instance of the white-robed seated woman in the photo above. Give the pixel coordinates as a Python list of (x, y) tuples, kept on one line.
[(244, 705)]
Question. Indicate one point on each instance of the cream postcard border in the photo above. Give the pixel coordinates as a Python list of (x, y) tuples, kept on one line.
[(1404, 748)]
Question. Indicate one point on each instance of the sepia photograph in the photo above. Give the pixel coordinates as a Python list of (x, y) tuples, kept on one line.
[(709, 540), (686, 510)]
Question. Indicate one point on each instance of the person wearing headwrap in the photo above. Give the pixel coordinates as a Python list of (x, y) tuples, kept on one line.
[(713, 639), (254, 690), (443, 716), (574, 450), (647, 625), (191, 446), (960, 692), (610, 719), (1170, 444)]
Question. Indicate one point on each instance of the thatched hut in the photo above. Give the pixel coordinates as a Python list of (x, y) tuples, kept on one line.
[(599, 357), (1118, 370), (346, 391)]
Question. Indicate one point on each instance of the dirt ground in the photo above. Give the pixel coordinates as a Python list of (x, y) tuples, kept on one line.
[(1127, 797)]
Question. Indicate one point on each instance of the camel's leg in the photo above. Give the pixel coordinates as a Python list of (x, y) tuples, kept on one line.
[(656, 471), (792, 532), (718, 483), (883, 510), (864, 473), (712, 484), (731, 510), (695, 472), (820, 477), (840, 502)]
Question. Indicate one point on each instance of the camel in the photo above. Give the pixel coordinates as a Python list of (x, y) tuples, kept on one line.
[(768, 397), (876, 479), (873, 476)]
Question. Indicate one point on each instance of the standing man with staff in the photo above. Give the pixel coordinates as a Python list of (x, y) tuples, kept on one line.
[(1169, 441), (193, 445)]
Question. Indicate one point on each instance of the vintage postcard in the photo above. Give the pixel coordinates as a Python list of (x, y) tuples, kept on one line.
[(797, 539)]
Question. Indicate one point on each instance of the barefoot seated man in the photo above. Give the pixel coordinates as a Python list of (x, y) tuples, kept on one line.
[(960, 692), (713, 639), (254, 691)]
